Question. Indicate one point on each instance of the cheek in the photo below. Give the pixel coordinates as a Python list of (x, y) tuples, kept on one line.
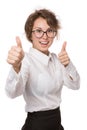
[(34, 39), (51, 41)]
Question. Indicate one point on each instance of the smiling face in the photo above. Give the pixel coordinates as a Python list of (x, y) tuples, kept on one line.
[(42, 44)]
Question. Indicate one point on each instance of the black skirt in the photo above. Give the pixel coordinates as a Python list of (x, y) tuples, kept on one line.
[(43, 120)]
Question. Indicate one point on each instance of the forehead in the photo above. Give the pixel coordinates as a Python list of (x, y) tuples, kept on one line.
[(40, 23)]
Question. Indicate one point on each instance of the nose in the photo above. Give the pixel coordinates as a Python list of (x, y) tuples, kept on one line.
[(45, 35)]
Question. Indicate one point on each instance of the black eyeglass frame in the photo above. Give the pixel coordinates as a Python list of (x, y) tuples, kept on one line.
[(54, 31)]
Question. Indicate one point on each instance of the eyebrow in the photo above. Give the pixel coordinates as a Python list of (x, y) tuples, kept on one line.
[(40, 28)]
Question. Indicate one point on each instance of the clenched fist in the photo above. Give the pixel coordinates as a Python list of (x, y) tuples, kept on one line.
[(15, 55), (63, 56)]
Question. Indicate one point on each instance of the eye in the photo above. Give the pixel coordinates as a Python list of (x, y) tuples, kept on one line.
[(50, 30), (39, 31)]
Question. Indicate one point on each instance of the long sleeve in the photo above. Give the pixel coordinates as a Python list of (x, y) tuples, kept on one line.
[(71, 77), (16, 82)]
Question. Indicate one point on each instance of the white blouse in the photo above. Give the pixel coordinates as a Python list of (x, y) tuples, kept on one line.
[(40, 80)]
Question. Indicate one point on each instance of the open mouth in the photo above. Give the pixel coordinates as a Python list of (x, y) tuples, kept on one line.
[(44, 43)]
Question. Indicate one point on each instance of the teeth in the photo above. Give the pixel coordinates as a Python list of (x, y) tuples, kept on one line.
[(44, 42)]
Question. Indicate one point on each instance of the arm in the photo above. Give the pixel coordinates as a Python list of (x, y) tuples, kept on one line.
[(71, 77), (16, 82), (70, 74)]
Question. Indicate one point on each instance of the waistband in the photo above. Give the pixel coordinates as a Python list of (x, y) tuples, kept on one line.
[(45, 113)]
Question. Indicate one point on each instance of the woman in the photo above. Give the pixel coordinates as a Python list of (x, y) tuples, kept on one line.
[(40, 75)]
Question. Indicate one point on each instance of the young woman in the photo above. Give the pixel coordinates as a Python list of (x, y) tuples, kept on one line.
[(40, 75)]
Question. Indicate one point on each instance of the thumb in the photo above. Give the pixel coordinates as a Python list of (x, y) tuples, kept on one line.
[(18, 41), (63, 46)]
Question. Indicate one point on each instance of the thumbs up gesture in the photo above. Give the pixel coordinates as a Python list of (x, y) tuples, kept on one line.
[(15, 55), (63, 56)]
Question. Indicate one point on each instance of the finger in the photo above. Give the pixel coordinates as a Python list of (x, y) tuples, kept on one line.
[(14, 51), (63, 57), (14, 54), (65, 63), (11, 61), (18, 41), (64, 53), (63, 46)]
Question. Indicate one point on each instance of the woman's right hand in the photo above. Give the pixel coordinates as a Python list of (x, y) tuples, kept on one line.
[(15, 55)]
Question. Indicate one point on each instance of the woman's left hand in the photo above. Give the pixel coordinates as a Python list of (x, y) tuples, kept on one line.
[(63, 56)]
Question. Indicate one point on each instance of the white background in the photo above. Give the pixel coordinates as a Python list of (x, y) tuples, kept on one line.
[(73, 17)]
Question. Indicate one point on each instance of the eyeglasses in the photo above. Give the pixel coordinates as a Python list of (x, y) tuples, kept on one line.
[(49, 33)]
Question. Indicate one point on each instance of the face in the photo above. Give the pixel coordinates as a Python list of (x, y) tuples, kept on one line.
[(43, 43)]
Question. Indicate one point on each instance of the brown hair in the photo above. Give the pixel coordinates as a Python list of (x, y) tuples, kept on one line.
[(49, 16)]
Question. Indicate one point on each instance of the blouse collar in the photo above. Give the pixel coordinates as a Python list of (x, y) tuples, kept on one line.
[(40, 56)]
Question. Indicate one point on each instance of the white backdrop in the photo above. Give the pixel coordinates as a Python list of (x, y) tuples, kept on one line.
[(73, 17)]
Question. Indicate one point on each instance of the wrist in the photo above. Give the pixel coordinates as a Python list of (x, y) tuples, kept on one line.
[(17, 68)]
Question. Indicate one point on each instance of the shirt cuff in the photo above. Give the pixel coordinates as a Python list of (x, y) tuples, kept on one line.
[(71, 71), (13, 75)]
